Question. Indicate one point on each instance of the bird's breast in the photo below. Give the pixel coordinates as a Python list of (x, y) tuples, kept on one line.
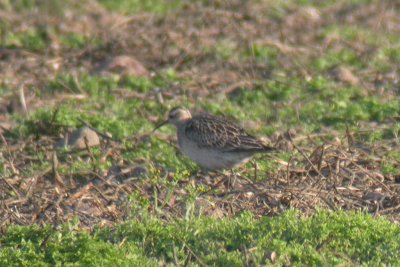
[(209, 158)]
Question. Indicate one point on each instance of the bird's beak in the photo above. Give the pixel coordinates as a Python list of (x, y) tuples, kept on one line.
[(160, 125)]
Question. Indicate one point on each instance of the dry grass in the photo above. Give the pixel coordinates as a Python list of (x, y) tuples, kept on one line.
[(334, 176)]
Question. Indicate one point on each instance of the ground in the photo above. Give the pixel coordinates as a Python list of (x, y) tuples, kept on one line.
[(319, 80)]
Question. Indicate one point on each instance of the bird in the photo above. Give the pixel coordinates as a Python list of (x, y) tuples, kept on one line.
[(214, 143)]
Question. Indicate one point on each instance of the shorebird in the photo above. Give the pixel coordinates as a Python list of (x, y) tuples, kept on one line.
[(213, 142)]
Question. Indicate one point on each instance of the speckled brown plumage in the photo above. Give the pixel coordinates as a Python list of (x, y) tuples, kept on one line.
[(213, 132), (213, 142)]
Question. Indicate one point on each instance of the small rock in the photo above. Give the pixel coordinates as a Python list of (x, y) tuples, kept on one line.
[(345, 75), (304, 17), (76, 140), (125, 65)]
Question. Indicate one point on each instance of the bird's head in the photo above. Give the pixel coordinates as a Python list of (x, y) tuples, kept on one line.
[(176, 117)]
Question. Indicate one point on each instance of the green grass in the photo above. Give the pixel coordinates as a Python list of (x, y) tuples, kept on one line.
[(53, 7), (134, 6), (352, 33), (37, 39), (34, 246), (320, 104), (334, 58), (33, 39), (324, 239), (38, 35)]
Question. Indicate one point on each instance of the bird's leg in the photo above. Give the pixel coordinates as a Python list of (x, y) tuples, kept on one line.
[(229, 179), (255, 169), (232, 179), (240, 176)]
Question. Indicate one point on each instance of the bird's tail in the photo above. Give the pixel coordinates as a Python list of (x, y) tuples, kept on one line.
[(266, 148)]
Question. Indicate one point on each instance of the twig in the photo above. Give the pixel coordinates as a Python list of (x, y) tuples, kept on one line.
[(305, 156), (56, 175), (22, 99)]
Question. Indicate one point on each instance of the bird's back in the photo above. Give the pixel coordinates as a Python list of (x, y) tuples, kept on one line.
[(217, 133)]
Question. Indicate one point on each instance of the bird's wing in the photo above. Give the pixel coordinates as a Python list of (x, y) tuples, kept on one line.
[(214, 132)]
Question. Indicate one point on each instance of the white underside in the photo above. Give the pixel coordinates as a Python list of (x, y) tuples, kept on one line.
[(211, 159)]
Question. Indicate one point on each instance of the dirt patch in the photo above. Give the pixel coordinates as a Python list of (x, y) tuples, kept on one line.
[(334, 176), (185, 40)]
